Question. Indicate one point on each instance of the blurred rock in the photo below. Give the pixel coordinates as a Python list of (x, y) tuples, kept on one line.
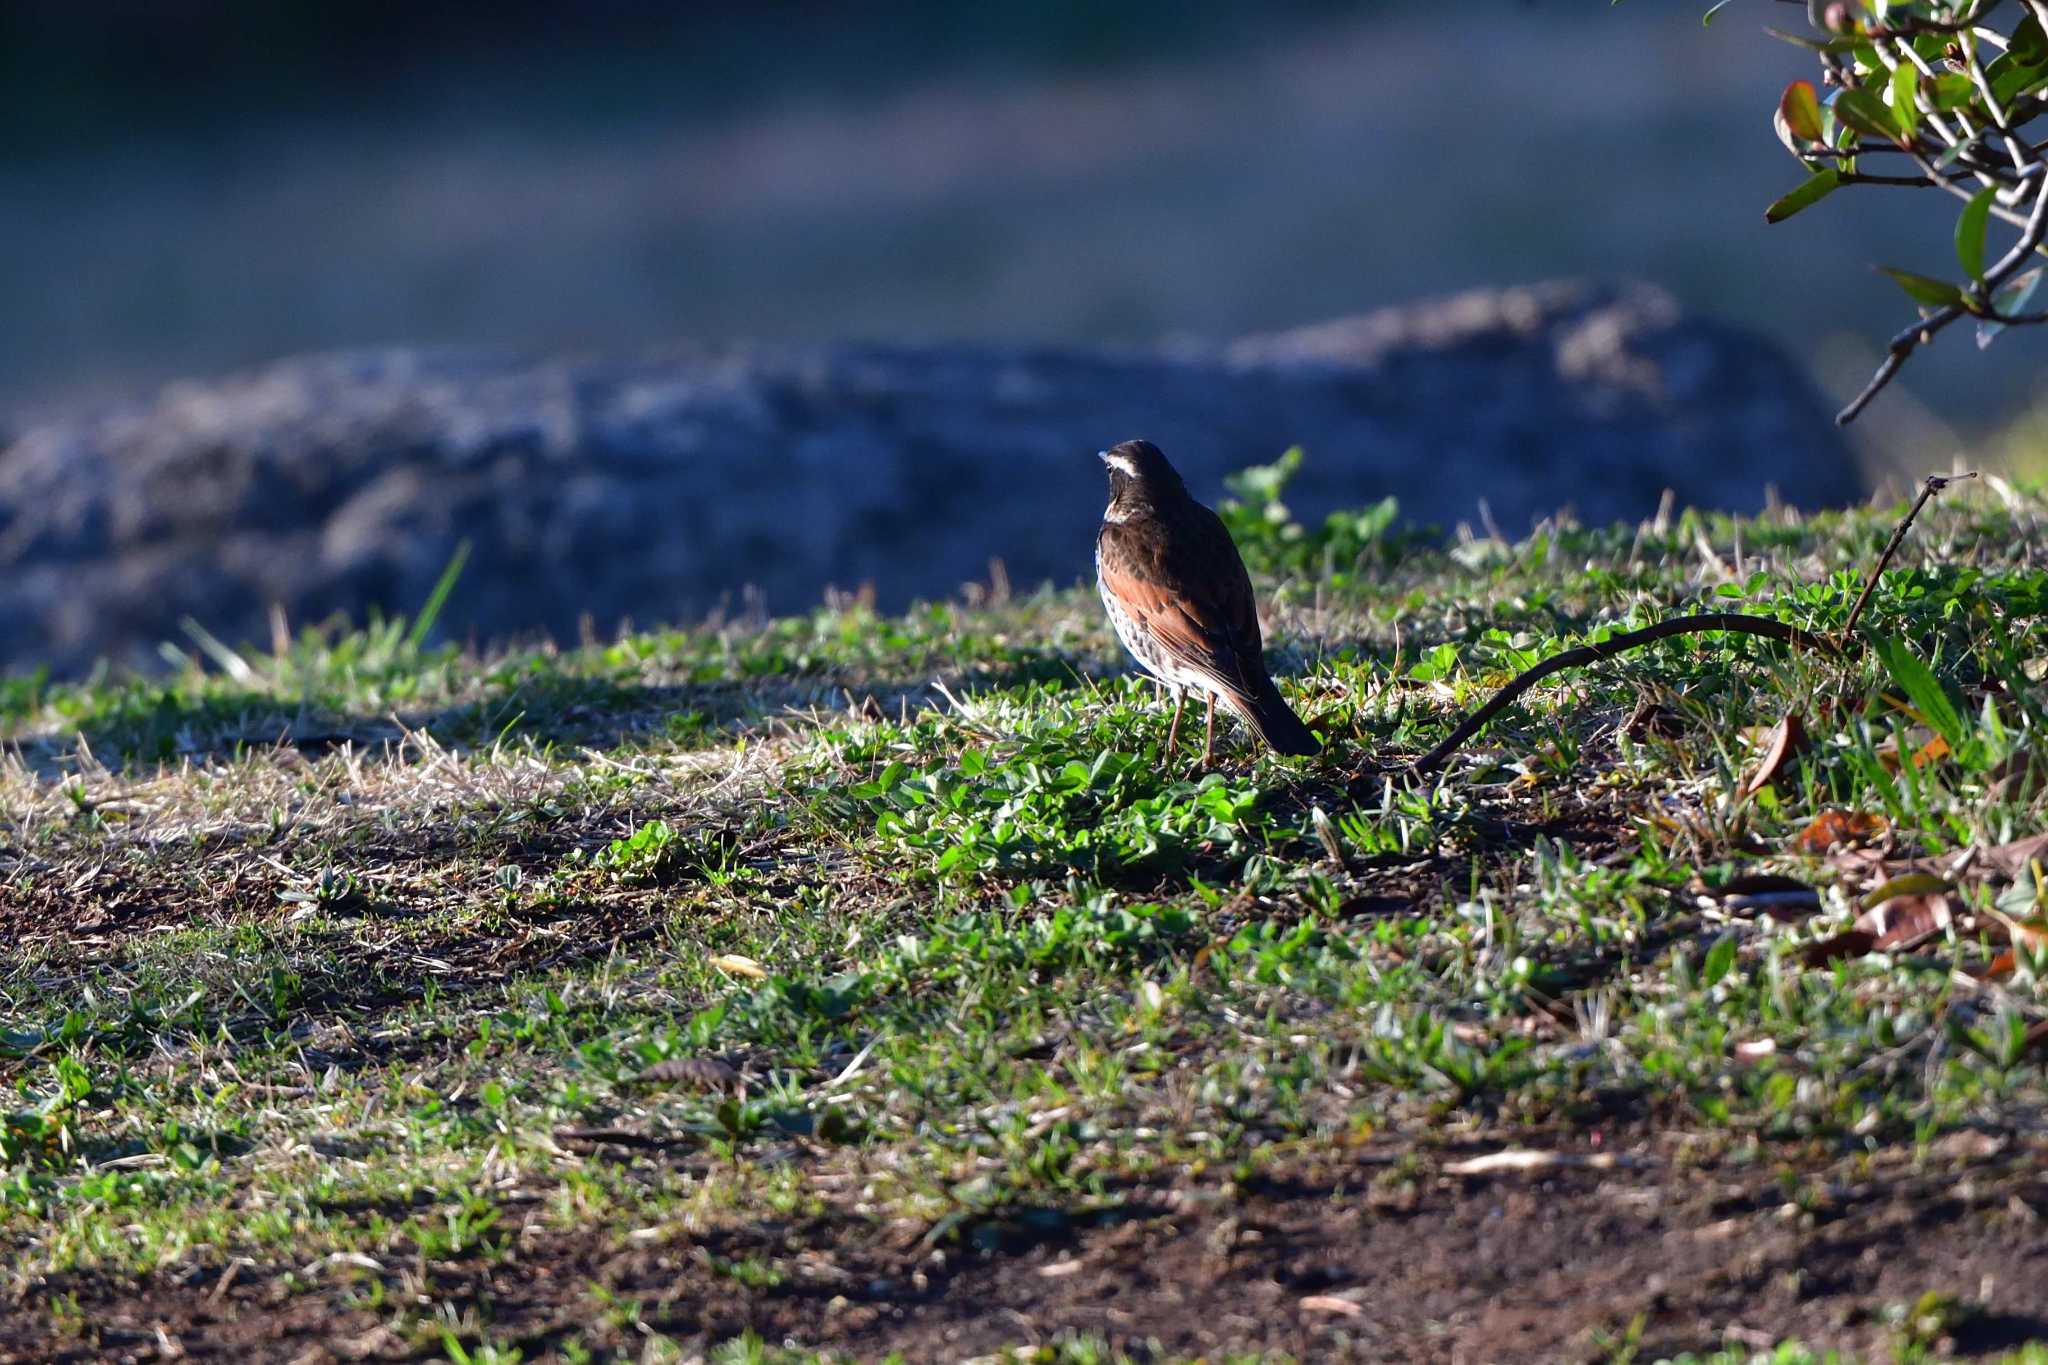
[(656, 489)]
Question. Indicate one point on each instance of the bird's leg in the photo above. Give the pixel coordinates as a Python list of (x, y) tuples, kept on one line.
[(1209, 733), (1180, 699)]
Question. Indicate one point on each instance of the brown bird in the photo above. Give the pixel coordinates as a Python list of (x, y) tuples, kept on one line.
[(1181, 601)]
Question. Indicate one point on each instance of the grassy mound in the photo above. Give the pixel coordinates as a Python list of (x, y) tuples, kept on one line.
[(861, 985)]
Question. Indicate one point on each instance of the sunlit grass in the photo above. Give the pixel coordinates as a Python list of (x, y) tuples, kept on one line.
[(347, 965)]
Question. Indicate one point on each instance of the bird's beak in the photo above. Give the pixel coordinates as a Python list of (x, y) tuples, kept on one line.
[(1102, 455)]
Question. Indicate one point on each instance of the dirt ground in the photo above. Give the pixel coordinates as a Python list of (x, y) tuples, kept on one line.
[(1383, 1258)]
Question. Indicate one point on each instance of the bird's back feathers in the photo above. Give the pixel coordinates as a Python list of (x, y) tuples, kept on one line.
[(1172, 569)]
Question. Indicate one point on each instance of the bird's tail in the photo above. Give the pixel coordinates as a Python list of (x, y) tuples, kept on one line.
[(1267, 713)]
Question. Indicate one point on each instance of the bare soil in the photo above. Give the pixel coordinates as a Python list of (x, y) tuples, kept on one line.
[(1379, 1257)]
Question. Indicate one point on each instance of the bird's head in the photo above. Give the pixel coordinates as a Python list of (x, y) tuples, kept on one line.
[(1138, 469)]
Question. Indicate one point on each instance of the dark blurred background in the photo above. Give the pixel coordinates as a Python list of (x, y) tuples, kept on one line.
[(188, 186), (654, 307)]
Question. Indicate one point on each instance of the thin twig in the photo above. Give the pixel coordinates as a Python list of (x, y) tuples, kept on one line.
[(1896, 352), (1933, 484), (1924, 331), (1733, 622), (1917, 182)]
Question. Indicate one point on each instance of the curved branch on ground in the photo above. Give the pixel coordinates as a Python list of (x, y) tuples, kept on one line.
[(1733, 622)]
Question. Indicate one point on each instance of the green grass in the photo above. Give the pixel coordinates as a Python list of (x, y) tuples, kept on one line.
[(366, 1015)]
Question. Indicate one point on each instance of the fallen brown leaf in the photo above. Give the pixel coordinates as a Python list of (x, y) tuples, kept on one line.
[(1933, 751), (2015, 857), (1836, 827), (1787, 738), (2020, 766), (1919, 747), (1904, 921), (2030, 933), (1900, 923)]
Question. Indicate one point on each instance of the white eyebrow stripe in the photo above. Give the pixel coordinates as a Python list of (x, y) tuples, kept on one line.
[(1121, 462)]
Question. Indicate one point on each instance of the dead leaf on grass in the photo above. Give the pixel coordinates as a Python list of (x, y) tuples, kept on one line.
[(2022, 765), (733, 964), (1900, 923), (1904, 921), (1834, 828), (2018, 908), (1933, 751), (2029, 932), (1893, 754), (1787, 738), (2016, 857)]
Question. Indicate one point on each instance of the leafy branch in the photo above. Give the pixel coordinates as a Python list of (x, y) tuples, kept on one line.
[(1935, 94)]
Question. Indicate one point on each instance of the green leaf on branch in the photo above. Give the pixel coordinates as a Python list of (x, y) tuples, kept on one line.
[(2011, 297), (1866, 113), (2023, 65), (1801, 110), (1844, 44), (1970, 230), (1817, 187), (1906, 99), (1924, 288), (1954, 91)]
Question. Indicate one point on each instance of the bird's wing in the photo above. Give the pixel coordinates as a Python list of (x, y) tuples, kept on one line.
[(1191, 592)]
